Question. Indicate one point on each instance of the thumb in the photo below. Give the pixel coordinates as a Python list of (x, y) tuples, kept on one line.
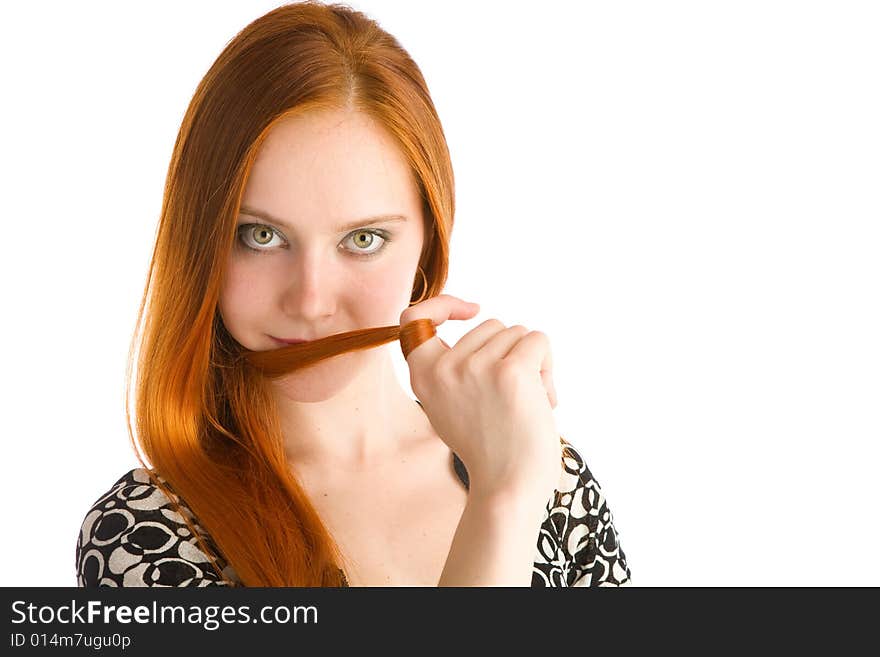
[(437, 309)]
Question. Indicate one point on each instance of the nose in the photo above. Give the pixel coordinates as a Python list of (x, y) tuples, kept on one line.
[(311, 286)]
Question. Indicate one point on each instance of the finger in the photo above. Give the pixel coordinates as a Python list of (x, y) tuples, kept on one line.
[(497, 346), (438, 309), (477, 337), (550, 387), (534, 350), (501, 344)]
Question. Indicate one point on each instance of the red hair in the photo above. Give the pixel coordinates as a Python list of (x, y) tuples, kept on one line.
[(205, 418)]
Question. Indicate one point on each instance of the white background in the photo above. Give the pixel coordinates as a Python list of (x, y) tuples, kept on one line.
[(682, 195)]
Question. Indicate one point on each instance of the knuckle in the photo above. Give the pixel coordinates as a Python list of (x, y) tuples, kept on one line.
[(507, 372), (493, 322), (406, 316), (538, 335), (443, 371), (472, 366)]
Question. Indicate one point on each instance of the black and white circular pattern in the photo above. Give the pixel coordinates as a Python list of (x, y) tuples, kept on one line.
[(134, 536)]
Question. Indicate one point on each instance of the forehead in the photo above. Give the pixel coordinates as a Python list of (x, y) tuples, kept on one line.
[(330, 166)]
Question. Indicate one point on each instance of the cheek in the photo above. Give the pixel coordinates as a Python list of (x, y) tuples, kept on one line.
[(242, 294), (382, 292)]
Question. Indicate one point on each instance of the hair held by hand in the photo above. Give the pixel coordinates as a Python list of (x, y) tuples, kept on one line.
[(277, 362)]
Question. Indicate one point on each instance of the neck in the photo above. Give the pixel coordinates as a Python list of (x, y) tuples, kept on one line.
[(363, 425)]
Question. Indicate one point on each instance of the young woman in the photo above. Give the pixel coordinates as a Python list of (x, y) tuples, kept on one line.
[(310, 194)]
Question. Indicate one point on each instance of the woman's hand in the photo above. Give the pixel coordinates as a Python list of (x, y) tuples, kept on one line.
[(491, 399)]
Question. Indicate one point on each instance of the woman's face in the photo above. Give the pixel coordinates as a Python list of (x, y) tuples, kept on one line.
[(308, 261)]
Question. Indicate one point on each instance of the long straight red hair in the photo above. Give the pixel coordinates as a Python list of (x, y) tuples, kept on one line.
[(205, 418)]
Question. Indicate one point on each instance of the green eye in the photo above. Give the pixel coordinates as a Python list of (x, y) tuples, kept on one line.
[(256, 236), (364, 239), (366, 243), (265, 233), (361, 242)]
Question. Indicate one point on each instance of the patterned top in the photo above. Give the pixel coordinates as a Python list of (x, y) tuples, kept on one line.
[(133, 536)]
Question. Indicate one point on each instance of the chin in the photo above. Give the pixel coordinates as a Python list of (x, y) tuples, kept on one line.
[(323, 380)]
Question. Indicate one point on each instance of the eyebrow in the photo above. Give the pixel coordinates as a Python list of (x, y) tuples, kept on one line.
[(379, 218)]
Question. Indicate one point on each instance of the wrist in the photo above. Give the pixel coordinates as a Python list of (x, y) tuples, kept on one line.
[(508, 500)]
